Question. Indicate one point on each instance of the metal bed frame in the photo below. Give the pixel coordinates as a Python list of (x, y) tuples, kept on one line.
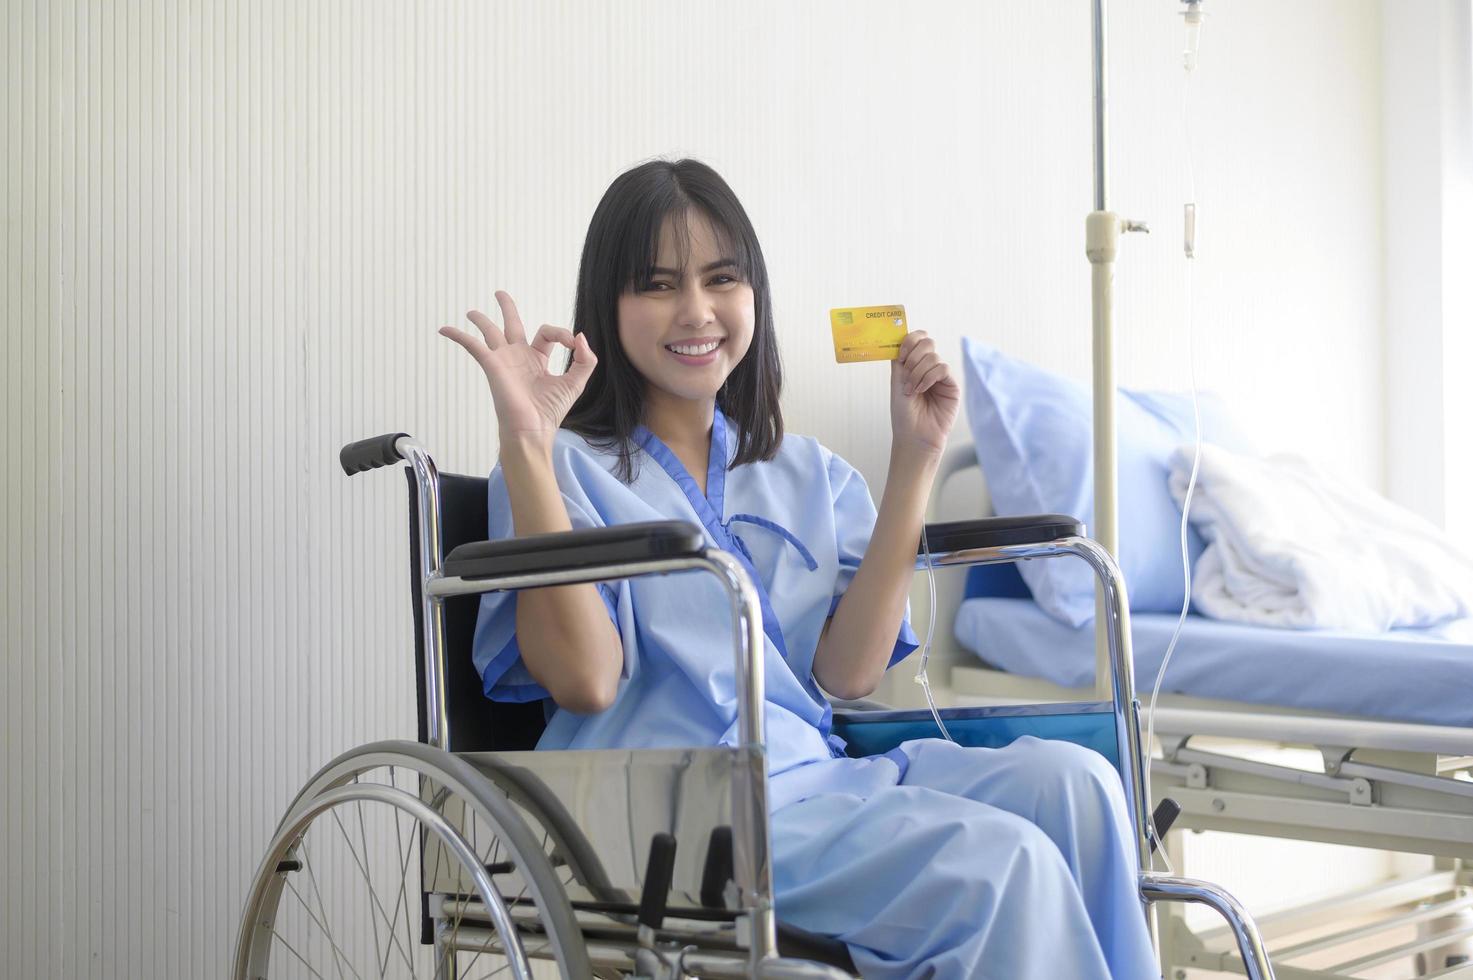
[(1382, 785), (706, 906)]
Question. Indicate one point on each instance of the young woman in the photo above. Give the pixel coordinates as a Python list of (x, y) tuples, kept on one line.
[(930, 861)]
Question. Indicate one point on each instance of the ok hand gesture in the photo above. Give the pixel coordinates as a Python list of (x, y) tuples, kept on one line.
[(529, 399)]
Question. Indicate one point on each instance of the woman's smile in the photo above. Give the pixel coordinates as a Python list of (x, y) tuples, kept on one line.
[(696, 352)]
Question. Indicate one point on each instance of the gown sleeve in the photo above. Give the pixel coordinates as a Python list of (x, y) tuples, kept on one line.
[(854, 522), (504, 677)]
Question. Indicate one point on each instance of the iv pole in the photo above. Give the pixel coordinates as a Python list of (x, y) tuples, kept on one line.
[(1102, 229)]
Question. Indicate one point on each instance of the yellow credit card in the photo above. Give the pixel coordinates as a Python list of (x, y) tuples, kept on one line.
[(867, 333)]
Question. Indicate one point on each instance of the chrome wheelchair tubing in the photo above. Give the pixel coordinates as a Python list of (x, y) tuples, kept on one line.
[(1153, 887), (750, 820), (254, 945), (1117, 622), (451, 772), (750, 823), (1256, 964), (745, 606), (431, 547), (612, 952)]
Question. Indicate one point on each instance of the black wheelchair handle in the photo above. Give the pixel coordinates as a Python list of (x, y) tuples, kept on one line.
[(999, 532), (370, 454)]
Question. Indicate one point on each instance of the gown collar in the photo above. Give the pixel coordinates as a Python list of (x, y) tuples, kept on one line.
[(714, 499), (712, 503), (710, 507)]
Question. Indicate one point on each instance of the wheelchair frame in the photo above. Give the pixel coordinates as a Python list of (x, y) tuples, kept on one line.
[(503, 568)]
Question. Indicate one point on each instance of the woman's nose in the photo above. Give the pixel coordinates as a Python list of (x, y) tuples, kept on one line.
[(695, 308)]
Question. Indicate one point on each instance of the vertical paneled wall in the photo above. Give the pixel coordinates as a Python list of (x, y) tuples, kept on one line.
[(232, 228)]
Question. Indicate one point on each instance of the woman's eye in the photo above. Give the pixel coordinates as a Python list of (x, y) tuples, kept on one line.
[(655, 286), (722, 280)]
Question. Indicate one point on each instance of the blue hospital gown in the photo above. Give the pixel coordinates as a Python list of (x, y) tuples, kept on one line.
[(930, 861)]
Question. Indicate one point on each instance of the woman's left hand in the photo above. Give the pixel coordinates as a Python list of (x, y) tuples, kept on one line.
[(924, 397)]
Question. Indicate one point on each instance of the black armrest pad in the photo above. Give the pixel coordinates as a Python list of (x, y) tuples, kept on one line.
[(995, 532), (567, 550)]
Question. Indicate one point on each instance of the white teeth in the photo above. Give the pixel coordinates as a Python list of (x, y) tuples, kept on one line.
[(694, 350)]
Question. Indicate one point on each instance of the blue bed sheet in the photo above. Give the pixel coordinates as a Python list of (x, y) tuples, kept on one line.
[(1419, 676)]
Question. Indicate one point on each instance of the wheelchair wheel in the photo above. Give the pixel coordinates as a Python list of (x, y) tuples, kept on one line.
[(398, 859)]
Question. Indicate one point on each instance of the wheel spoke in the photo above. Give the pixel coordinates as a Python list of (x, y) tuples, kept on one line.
[(446, 949), (336, 950), (322, 906), (303, 925), (493, 973), (503, 968), (404, 873), (490, 859), (403, 900), (291, 949), (438, 802), (373, 896)]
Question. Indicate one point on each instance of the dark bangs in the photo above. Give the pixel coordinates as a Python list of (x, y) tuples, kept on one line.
[(621, 249)]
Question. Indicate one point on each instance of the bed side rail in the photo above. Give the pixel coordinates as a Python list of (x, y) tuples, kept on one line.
[(1351, 733)]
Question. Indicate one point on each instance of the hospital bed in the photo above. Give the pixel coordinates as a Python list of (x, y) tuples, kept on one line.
[(467, 854), (1383, 727)]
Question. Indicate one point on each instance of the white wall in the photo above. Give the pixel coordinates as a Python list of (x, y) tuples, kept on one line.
[(1428, 97), (231, 230)]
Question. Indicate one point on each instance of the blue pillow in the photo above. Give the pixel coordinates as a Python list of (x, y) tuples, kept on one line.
[(1175, 411), (1033, 433)]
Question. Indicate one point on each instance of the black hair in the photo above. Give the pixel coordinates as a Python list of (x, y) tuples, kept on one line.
[(619, 254)]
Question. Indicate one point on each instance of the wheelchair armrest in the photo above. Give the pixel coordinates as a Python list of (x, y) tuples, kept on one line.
[(572, 550), (997, 532)]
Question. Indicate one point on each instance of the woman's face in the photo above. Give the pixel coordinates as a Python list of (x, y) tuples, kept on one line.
[(687, 328)]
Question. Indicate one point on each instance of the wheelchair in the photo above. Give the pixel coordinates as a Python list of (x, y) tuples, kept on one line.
[(468, 854)]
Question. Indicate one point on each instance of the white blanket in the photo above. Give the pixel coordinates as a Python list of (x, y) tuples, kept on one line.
[(1293, 546)]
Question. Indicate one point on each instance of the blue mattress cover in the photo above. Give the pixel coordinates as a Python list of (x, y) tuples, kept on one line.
[(1420, 676)]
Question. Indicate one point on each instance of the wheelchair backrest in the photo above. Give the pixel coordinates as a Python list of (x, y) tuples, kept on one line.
[(477, 724)]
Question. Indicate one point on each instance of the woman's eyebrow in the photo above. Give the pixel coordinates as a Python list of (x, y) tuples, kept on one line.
[(709, 267)]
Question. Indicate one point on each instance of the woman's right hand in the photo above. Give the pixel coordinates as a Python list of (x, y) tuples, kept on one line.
[(529, 399)]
